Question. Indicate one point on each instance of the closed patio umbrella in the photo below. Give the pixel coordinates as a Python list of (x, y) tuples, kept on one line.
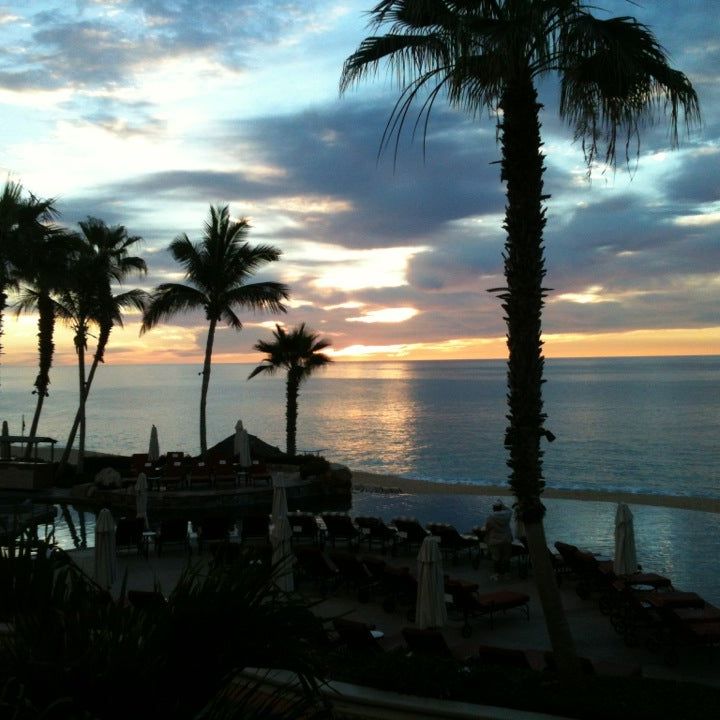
[(154, 447), (625, 553), (282, 555), (241, 445), (430, 609), (105, 562), (279, 502), (141, 498)]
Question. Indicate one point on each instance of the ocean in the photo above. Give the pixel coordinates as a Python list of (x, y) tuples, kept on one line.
[(644, 425)]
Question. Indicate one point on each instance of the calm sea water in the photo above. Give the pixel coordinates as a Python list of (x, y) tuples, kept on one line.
[(643, 425)]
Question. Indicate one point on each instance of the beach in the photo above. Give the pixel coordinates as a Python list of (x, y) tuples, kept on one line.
[(378, 482)]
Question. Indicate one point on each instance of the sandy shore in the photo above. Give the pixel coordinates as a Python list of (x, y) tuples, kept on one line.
[(423, 487)]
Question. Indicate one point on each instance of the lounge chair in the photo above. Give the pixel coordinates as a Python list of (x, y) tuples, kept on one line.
[(314, 564), (374, 530), (360, 637), (354, 574), (258, 474), (400, 588), (304, 527), (255, 528), (452, 543), (200, 474), (471, 604), (339, 527), (597, 667), (510, 657), (172, 531), (213, 529), (432, 642), (128, 535), (410, 531)]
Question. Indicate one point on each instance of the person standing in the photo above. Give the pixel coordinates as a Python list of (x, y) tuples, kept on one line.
[(498, 537)]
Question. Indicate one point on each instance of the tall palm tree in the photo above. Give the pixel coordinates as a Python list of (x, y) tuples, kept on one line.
[(21, 219), (45, 270), (217, 269), (488, 55), (106, 260), (298, 352)]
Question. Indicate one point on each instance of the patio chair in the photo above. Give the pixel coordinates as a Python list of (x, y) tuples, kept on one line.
[(410, 532), (212, 529), (304, 527), (354, 573), (128, 534), (359, 637), (223, 472), (374, 530), (314, 564), (432, 642), (174, 474), (172, 531), (200, 474), (258, 474), (340, 527), (472, 604), (137, 463), (400, 588), (255, 528), (452, 543)]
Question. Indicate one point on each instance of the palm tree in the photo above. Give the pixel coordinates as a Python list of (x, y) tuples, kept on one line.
[(298, 352), (217, 269), (21, 219), (488, 55), (45, 270), (106, 259)]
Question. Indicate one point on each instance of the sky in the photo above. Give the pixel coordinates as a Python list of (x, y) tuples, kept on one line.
[(145, 112)]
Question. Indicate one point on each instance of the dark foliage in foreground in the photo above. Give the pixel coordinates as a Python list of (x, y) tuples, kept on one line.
[(597, 698), (76, 653)]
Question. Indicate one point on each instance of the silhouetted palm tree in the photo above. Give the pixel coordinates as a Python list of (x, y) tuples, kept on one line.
[(44, 270), (105, 260), (298, 352), (487, 55), (217, 269), (21, 220)]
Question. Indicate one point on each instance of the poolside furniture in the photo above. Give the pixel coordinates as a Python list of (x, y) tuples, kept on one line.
[(258, 474), (137, 463), (172, 531), (223, 472), (339, 527), (314, 564), (255, 528), (596, 667), (354, 574), (304, 527), (432, 642), (410, 532), (128, 534), (400, 587), (212, 529), (510, 657), (452, 543), (374, 530), (467, 601), (174, 475), (200, 474), (360, 637)]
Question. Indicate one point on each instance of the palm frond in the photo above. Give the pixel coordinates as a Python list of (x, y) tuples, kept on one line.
[(170, 299)]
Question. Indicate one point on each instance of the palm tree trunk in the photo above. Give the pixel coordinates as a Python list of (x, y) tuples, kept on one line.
[(81, 408), (46, 349), (291, 411), (523, 300), (3, 305), (103, 338), (205, 384)]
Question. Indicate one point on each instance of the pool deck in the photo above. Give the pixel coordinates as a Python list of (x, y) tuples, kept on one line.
[(592, 631)]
